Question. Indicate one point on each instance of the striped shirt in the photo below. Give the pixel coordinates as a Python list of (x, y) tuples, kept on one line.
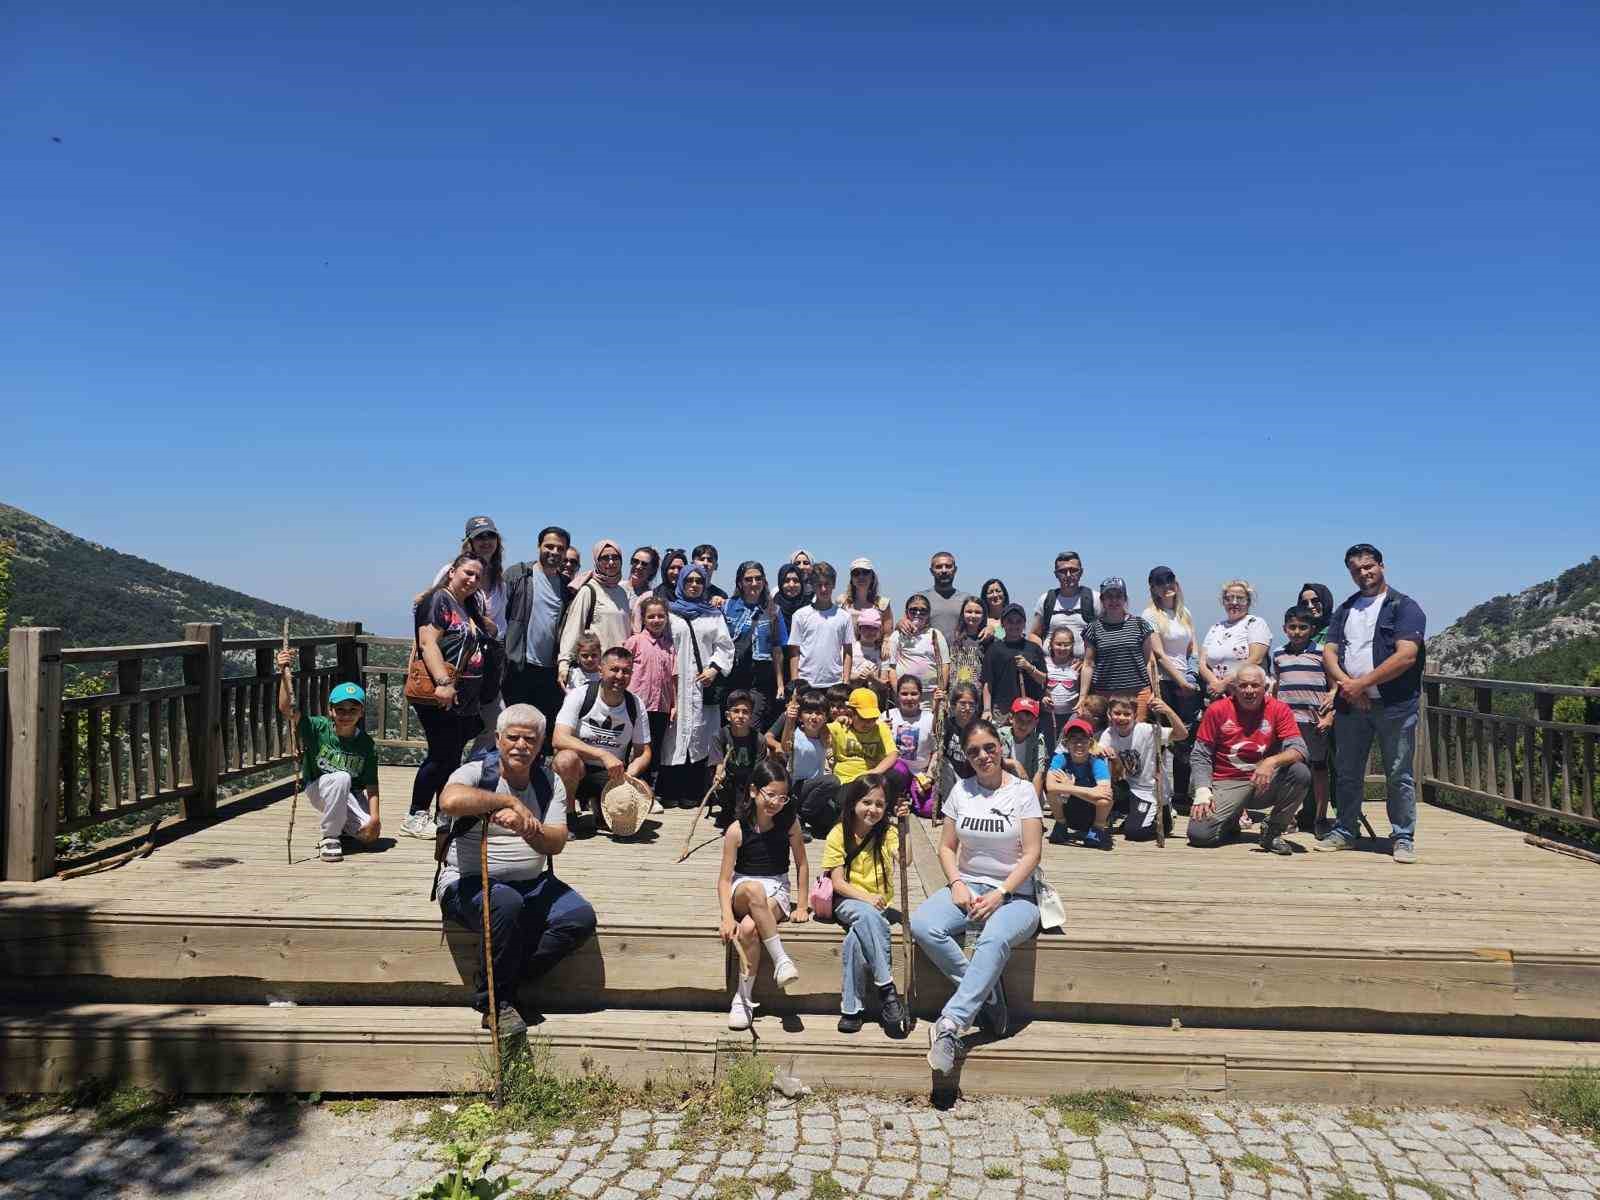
[(1119, 664), (1302, 681)]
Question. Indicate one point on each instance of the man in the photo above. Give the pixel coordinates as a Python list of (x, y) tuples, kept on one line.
[(536, 600), (1248, 747), (535, 920), (602, 734), (705, 555), (1374, 655), (944, 600), (1068, 604)]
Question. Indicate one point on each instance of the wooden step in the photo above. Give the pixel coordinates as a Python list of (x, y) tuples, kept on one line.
[(382, 1049)]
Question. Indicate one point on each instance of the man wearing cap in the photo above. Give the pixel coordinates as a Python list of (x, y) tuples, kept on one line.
[(602, 735), (1119, 650), (338, 763), (1247, 749), (1013, 666)]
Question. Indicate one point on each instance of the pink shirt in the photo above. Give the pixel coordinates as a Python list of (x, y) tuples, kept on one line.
[(655, 670)]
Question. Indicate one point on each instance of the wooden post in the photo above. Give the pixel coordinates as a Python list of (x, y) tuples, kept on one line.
[(203, 715), (349, 652), (1424, 767), (34, 687)]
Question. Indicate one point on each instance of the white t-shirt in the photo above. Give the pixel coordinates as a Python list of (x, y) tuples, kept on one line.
[(605, 727), (821, 637), (1068, 613), (1360, 625), (917, 656), (1135, 753), (1175, 642), (510, 857), (989, 827), (1061, 688), (913, 739), (1226, 646)]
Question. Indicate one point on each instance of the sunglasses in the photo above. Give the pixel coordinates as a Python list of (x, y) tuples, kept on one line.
[(641, 562), (918, 612), (983, 751), (610, 558)]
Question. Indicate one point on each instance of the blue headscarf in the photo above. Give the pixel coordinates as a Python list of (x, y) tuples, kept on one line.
[(690, 609)]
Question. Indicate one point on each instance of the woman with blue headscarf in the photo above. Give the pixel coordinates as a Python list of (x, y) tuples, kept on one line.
[(705, 658), (759, 633)]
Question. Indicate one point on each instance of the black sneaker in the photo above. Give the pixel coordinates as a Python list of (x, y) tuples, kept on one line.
[(994, 1016), (1060, 835), (1098, 839), (511, 1023), (850, 1022), (1276, 843), (892, 1013)]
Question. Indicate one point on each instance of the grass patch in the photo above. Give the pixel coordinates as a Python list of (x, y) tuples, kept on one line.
[(780, 1183), (1365, 1118), (723, 1111), (1571, 1096), (1178, 1119), (347, 1108), (1343, 1192), (1435, 1192), (826, 1187), (1082, 1112), (734, 1189), (128, 1109), (1255, 1163), (996, 1171), (467, 1179), (1059, 1163), (21, 1109)]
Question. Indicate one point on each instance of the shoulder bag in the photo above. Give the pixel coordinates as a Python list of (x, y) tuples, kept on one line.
[(420, 687), (711, 693)]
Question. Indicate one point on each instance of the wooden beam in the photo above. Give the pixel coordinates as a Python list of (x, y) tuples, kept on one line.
[(203, 713), (34, 686)]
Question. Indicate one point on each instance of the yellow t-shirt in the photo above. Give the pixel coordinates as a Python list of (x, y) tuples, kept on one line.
[(853, 757), (864, 872)]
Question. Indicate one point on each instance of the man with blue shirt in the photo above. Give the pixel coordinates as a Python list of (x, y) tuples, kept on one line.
[(1374, 654), (536, 600)]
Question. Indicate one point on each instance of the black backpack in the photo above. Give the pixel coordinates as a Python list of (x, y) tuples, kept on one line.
[(1085, 607), (488, 781), (591, 696)]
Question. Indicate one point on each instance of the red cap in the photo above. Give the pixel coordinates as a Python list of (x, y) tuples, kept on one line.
[(1023, 704), (1080, 724)]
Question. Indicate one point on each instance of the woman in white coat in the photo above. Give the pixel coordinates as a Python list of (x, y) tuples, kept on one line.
[(705, 656)]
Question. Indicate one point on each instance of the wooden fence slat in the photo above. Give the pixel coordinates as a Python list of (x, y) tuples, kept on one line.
[(97, 796), (114, 756), (158, 775), (174, 758), (33, 757), (71, 793)]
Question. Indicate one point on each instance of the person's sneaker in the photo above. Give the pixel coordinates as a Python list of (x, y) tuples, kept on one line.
[(1334, 841), (850, 1022), (892, 1012), (944, 1046), (1276, 844), (1404, 852), (740, 1012), (330, 850), (1098, 839), (417, 825), (511, 1023), (1060, 835), (994, 1015), (785, 973)]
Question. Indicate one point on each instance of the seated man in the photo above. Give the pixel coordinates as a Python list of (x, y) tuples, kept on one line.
[(602, 734), (338, 763), (535, 920), (1248, 745)]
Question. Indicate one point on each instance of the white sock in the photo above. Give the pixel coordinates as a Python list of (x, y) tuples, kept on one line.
[(746, 983), (775, 950)]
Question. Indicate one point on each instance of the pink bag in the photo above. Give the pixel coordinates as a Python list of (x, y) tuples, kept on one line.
[(821, 898)]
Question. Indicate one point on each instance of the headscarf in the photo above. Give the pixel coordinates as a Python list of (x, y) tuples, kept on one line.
[(808, 592), (739, 615), (690, 609), (786, 605), (1323, 594), (594, 557), (663, 589)]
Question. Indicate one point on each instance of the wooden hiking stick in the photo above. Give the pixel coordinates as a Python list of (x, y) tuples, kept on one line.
[(905, 917), (294, 748), (695, 824), (1162, 800), (488, 955), (936, 756)]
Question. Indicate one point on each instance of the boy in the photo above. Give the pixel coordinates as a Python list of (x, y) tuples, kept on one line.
[(1135, 745), (839, 703), (338, 763), (802, 736), (862, 742), (821, 636), (735, 750), (1024, 742), (1300, 680), (1005, 659), (1080, 782)]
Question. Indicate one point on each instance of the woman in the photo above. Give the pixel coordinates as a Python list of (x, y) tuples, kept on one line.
[(1176, 649), (989, 851), (966, 653), (672, 564), (802, 562), (871, 617), (995, 597), (1237, 639), (758, 632), (1317, 599), (705, 655), (1119, 652), (449, 641), (923, 654), (599, 605), (482, 541), (642, 566)]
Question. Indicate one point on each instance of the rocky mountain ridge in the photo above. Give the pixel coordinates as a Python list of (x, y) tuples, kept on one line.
[(1543, 622)]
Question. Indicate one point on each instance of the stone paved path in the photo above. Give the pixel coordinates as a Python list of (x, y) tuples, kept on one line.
[(864, 1146)]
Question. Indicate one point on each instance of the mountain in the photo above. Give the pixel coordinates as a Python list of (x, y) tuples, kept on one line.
[(101, 597), (1548, 633)]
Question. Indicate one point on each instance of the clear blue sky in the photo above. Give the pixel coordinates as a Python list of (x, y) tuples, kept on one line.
[(1220, 287)]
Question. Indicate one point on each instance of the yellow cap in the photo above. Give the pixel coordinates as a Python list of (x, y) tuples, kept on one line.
[(865, 702)]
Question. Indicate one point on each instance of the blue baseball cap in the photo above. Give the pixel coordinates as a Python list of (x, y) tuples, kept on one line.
[(348, 691)]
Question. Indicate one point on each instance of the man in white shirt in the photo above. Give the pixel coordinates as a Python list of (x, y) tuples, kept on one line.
[(603, 734)]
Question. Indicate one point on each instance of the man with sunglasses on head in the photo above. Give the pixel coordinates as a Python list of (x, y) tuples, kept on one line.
[(1069, 604)]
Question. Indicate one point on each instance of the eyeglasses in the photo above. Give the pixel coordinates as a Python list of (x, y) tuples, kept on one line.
[(918, 612), (766, 795), (1235, 598), (641, 562)]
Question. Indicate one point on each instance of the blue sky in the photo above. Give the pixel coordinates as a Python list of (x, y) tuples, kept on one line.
[(298, 290)]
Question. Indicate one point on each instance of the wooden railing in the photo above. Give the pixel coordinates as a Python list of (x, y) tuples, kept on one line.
[(1529, 763), (389, 717)]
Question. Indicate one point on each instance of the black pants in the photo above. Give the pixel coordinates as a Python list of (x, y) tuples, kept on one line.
[(534, 924), (448, 731), (819, 804), (1188, 706), (658, 737), (525, 683), (683, 785)]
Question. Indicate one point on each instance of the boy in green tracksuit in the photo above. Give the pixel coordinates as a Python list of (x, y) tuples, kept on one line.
[(338, 763)]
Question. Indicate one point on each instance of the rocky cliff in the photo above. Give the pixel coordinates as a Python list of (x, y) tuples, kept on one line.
[(1544, 620)]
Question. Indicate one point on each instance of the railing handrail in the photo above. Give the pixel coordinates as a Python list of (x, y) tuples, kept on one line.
[(372, 639), (274, 643), (74, 655), (1514, 685)]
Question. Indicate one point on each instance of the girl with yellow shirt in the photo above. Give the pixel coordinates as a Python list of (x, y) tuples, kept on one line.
[(860, 858)]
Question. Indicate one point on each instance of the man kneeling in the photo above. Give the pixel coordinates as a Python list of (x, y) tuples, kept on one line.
[(535, 920), (1248, 744)]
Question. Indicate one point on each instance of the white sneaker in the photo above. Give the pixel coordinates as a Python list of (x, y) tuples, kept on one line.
[(785, 973), (740, 1012), (417, 825), (330, 850)]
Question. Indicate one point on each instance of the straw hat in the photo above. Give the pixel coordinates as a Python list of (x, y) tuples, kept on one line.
[(624, 807)]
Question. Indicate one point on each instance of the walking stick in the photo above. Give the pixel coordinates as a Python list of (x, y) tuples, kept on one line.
[(1162, 800), (695, 824), (905, 918), (488, 956), (294, 751), (936, 758)]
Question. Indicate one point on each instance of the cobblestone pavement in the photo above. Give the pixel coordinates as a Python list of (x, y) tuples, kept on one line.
[(864, 1146)]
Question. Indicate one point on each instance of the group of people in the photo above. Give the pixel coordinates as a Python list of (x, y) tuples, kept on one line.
[(812, 711)]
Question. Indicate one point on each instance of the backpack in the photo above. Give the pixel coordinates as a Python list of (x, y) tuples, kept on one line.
[(591, 696), (488, 781), (1085, 607)]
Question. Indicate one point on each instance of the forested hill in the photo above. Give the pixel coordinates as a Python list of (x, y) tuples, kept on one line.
[(100, 597), (1548, 633)]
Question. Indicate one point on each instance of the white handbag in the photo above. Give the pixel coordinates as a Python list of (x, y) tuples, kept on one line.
[(1052, 913)]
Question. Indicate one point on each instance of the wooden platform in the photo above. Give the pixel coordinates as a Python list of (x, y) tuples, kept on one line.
[(1484, 936)]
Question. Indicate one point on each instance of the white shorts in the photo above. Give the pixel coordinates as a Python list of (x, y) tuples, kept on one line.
[(776, 888)]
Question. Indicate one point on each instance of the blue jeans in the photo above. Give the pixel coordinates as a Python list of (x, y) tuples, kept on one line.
[(1395, 727), (939, 926), (535, 923), (866, 946)]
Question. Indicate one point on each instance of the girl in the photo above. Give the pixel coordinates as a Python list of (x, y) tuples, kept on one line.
[(923, 655), (672, 564), (758, 633), (965, 702), (705, 654), (586, 669), (753, 884), (995, 598), (1061, 686), (912, 728), (966, 654), (860, 857), (655, 675)]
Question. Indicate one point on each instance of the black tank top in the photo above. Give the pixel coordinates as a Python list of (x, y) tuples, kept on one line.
[(765, 853)]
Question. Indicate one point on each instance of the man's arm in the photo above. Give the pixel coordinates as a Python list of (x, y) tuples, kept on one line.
[(1396, 665), (567, 739)]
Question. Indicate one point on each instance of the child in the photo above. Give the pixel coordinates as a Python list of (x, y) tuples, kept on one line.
[(869, 647), (924, 655), (1079, 781), (338, 763), (735, 749), (586, 669), (862, 742), (1026, 756), (963, 712), (1135, 746), (1012, 667), (839, 702), (822, 636), (860, 857), (969, 644), (1061, 685), (911, 726), (804, 742), (1301, 681), (655, 674), (753, 884)]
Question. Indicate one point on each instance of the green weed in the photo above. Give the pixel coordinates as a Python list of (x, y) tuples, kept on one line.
[(466, 1180), (1365, 1118), (1059, 1163), (1343, 1192), (1178, 1119), (996, 1171), (780, 1183), (1435, 1192), (345, 1108), (1082, 1112), (127, 1109), (1571, 1096), (1254, 1162), (826, 1187)]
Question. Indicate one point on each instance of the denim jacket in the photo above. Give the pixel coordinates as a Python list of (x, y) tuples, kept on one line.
[(1401, 619)]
